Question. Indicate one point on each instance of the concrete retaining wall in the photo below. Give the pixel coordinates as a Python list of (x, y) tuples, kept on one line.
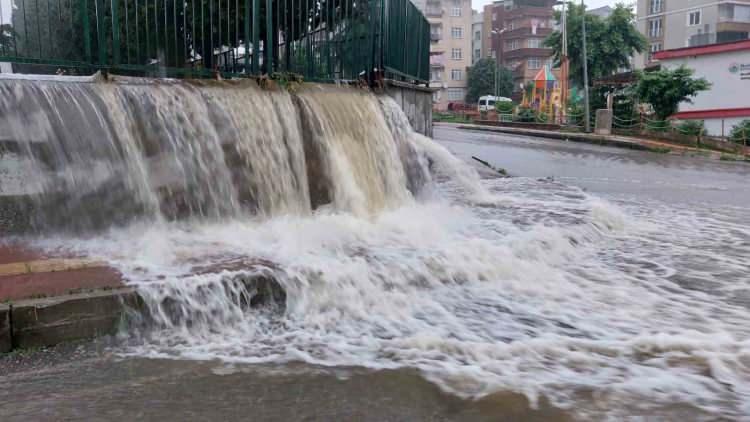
[(416, 101), (49, 321)]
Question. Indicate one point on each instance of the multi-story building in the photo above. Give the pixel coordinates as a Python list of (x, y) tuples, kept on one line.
[(514, 32), (450, 48), (476, 35), (671, 24)]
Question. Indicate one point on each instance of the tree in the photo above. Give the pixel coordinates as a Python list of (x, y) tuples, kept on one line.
[(481, 80), (610, 42), (741, 132), (7, 39), (665, 89)]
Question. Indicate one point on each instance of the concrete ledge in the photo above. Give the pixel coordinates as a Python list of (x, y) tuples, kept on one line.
[(6, 341), (49, 321), (48, 266), (568, 136)]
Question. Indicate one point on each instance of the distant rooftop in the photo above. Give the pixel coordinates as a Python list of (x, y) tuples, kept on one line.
[(742, 45), (602, 12)]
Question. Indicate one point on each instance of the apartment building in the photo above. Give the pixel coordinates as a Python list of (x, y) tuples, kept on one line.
[(451, 35), (514, 31), (671, 24), (476, 35)]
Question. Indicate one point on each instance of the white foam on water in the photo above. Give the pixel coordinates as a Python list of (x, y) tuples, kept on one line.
[(538, 288)]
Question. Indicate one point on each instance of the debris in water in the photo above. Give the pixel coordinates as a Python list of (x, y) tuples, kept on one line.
[(499, 170)]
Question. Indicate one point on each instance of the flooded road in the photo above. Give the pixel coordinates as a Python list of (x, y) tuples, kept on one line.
[(598, 284)]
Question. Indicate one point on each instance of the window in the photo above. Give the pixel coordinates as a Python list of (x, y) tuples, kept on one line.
[(456, 54), (477, 54), (694, 18), (478, 35), (456, 74), (534, 63), (656, 6), (494, 16), (457, 32), (455, 11), (653, 48), (511, 25), (512, 45), (654, 28), (455, 94), (534, 43), (436, 75)]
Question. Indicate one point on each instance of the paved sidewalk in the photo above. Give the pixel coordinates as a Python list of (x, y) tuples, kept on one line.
[(29, 273), (609, 140)]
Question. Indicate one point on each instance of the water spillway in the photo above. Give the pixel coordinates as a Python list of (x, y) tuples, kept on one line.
[(317, 227), (103, 152)]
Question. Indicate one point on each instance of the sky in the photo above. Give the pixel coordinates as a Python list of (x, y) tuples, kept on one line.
[(479, 4)]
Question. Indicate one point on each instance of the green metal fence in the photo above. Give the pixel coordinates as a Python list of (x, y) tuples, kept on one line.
[(320, 39)]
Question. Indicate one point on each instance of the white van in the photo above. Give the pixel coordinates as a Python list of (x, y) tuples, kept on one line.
[(487, 103)]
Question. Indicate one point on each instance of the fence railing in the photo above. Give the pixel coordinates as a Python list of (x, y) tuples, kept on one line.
[(320, 39)]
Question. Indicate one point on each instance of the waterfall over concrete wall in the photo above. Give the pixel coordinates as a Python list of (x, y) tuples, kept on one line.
[(83, 153)]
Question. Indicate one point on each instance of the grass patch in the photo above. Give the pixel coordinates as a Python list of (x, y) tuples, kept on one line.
[(450, 118)]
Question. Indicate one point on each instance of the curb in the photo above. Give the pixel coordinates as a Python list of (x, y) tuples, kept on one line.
[(49, 321), (573, 137)]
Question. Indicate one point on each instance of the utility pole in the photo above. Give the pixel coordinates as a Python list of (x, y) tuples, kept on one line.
[(587, 123), (564, 66), (496, 67), (499, 33)]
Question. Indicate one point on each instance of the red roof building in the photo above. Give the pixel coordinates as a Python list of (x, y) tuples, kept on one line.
[(727, 67)]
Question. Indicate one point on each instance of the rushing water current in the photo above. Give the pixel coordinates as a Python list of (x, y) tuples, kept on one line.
[(391, 252)]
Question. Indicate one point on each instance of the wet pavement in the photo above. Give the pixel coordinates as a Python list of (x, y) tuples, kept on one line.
[(93, 381), (87, 381)]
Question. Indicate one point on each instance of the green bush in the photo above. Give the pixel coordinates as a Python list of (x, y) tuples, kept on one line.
[(741, 133), (691, 127), (526, 114), (504, 107), (575, 113), (541, 117)]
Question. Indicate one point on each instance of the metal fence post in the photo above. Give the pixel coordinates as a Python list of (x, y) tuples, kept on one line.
[(256, 36), (116, 32), (84, 10), (268, 45), (247, 37), (100, 42)]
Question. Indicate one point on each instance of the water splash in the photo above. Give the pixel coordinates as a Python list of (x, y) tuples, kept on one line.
[(548, 291)]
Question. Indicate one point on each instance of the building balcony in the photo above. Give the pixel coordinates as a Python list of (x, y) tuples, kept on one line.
[(433, 13), (522, 53), (525, 32), (529, 11), (732, 26), (702, 39), (435, 37)]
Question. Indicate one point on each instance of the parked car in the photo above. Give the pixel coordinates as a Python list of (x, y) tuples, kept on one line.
[(487, 102)]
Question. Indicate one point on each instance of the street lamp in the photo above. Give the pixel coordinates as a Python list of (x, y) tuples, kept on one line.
[(497, 31), (587, 123)]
